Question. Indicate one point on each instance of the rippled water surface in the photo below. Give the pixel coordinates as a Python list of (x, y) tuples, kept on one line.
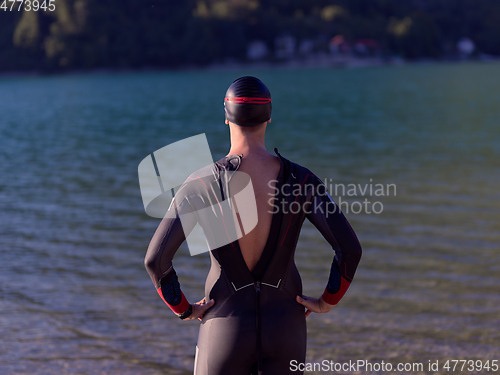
[(75, 297)]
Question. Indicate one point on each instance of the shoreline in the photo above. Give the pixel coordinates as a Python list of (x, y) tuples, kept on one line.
[(336, 62)]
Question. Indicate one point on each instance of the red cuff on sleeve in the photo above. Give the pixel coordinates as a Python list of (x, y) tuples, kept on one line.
[(333, 299), (178, 309)]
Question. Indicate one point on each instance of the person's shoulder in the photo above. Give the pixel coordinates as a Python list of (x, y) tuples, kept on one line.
[(197, 182), (212, 172), (202, 172), (300, 172)]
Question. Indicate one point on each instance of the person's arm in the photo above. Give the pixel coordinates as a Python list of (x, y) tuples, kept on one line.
[(327, 217), (158, 261)]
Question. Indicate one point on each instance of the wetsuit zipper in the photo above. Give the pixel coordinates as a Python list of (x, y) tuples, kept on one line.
[(229, 179), (258, 326)]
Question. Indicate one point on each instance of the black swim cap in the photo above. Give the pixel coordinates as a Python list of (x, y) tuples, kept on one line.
[(248, 102)]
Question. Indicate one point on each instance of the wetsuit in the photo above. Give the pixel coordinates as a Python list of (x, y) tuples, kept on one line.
[(256, 325)]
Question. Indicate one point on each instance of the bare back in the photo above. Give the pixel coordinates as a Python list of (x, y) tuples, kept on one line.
[(263, 170)]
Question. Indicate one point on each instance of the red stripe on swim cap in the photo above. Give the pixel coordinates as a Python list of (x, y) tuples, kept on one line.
[(249, 100)]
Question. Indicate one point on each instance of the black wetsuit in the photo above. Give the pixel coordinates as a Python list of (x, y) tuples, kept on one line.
[(256, 325)]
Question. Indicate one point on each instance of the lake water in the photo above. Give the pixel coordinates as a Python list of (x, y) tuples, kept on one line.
[(75, 297)]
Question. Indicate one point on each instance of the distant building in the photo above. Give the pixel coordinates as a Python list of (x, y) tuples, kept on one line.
[(338, 44), (257, 50), (366, 46), (284, 46), (466, 47)]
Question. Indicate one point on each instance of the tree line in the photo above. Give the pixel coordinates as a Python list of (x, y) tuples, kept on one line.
[(90, 34)]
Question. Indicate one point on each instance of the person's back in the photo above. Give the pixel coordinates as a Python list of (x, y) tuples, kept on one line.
[(263, 169), (254, 320)]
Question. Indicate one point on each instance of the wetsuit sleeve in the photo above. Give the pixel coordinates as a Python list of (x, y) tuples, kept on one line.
[(327, 217), (167, 239)]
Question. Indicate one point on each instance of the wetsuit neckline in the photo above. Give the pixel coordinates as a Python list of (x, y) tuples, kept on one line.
[(232, 162)]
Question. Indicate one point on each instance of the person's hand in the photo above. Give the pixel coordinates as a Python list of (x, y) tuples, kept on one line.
[(317, 305), (199, 308)]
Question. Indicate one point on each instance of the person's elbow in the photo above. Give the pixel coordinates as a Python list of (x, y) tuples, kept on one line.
[(355, 252), (358, 251), (150, 261)]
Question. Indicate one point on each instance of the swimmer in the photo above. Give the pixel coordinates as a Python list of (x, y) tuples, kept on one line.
[(253, 315)]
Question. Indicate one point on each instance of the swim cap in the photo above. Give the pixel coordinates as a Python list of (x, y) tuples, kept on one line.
[(248, 102)]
